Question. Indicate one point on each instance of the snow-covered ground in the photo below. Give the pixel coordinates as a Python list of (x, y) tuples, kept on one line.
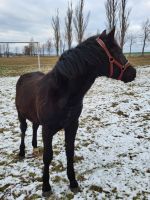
[(112, 146)]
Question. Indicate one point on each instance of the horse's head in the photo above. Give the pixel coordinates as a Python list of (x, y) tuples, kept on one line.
[(117, 66)]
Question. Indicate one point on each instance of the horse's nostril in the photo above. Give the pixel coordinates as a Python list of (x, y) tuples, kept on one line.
[(129, 74)]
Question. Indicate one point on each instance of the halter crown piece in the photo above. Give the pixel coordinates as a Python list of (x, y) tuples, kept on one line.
[(113, 61)]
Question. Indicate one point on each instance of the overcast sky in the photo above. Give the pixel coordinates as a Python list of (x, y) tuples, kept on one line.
[(20, 20)]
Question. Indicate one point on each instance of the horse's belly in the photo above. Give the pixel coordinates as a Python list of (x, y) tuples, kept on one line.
[(30, 115), (27, 109)]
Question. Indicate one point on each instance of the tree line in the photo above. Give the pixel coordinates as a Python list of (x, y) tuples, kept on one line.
[(75, 24), (74, 17), (31, 49), (117, 15)]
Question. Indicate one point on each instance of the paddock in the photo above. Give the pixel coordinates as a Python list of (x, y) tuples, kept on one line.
[(112, 150)]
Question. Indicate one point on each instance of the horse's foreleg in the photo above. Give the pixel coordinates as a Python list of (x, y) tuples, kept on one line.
[(47, 157), (23, 127), (70, 134), (34, 138)]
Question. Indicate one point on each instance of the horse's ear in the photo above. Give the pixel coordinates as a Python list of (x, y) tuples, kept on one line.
[(103, 33), (111, 34)]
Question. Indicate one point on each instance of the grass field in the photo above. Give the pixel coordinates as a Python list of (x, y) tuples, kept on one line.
[(139, 60), (15, 66)]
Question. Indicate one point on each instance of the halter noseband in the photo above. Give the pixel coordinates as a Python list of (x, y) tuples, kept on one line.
[(113, 61)]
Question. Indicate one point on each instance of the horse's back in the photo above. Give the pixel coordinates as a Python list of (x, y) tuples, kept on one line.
[(33, 76), (26, 89)]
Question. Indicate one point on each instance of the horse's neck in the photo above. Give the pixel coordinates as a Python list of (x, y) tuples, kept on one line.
[(73, 89), (79, 86)]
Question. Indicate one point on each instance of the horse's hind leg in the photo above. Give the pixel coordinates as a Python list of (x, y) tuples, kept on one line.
[(23, 127), (34, 138)]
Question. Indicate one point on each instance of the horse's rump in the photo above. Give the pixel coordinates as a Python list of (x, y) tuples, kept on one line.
[(26, 89)]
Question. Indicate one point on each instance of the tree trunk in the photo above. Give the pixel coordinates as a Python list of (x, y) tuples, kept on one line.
[(143, 47), (130, 49)]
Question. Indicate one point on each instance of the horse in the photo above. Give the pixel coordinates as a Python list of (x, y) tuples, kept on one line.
[(55, 99)]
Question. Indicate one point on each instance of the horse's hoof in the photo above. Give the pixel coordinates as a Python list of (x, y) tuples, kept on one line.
[(75, 190), (47, 194), (21, 156)]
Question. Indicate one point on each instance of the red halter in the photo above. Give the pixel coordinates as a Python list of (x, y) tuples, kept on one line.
[(113, 61)]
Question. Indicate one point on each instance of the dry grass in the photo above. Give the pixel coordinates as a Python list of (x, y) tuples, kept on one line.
[(15, 66), (139, 60)]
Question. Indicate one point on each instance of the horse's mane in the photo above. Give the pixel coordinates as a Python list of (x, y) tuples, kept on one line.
[(74, 62)]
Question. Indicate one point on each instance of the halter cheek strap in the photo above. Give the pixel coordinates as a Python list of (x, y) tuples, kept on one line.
[(113, 61)]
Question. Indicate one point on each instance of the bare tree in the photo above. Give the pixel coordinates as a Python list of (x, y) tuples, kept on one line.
[(32, 47), (111, 7), (124, 13), (146, 34), (132, 40), (49, 46), (7, 50), (40, 49), (4, 49), (56, 28), (68, 25), (43, 49), (27, 51), (62, 43), (16, 50), (80, 22)]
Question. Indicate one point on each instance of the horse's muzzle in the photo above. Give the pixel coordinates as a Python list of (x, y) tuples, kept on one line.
[(129, 74)]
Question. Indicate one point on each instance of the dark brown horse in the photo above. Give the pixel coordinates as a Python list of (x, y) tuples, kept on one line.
[(54, 100)]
